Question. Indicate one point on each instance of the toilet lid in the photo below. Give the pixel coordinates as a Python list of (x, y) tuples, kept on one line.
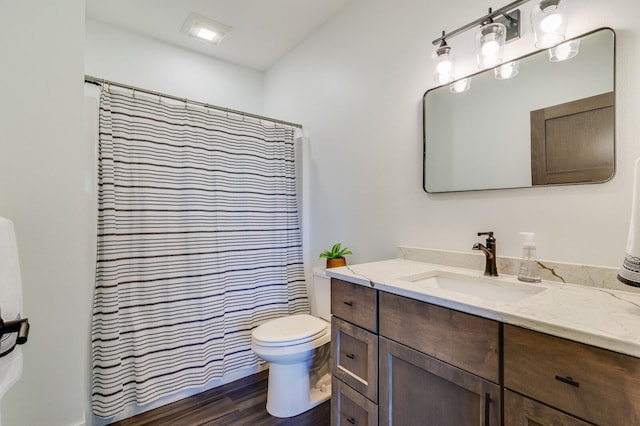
[(293, 329)]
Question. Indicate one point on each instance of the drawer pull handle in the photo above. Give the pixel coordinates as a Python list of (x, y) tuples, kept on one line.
[(351, 420), (350, 356), (487, 406), (568, 380), (348, 303)]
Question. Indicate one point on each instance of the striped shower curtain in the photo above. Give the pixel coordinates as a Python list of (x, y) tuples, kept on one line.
[(198, 243)]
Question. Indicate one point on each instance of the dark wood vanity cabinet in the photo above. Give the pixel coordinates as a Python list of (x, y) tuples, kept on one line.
[(437, 366), (397, 360), (400, 361), (354, 354), (593, 384)]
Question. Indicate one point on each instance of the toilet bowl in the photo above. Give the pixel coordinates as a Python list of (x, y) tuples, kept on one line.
[(297, 349)]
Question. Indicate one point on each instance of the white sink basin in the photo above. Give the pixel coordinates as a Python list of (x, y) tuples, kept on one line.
[(482, 289)]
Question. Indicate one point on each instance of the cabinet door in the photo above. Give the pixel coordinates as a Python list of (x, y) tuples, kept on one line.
[(416, 389), (573, 142), (521, 411), (349, 408)]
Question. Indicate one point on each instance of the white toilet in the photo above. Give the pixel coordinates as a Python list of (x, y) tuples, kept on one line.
[(297, 348)]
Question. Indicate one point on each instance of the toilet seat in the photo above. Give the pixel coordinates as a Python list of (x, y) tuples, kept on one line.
[(290, 330)]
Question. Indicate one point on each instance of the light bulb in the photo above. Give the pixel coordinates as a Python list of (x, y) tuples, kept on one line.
[(549, 22), (552, 22), (490, 48), (506, 71), (444, 77), (564, 51), (490, 44), (460, 86), (444, 67), (206, 34)]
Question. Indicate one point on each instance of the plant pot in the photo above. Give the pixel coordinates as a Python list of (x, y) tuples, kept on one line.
[(336, 262)]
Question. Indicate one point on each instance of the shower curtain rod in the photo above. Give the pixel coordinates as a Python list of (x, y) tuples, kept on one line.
[(102, 81)]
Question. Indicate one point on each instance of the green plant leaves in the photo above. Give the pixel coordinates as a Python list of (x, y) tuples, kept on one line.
[(335, 252)]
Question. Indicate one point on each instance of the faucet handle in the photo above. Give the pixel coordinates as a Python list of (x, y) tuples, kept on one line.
[(489, 235)]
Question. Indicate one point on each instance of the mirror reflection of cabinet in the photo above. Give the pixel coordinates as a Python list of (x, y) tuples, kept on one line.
[(481, 139), (571, 142)]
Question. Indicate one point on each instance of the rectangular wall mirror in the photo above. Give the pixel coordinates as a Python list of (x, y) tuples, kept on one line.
[(553, 123)]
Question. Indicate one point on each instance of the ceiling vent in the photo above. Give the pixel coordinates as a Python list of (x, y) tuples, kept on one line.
[(203, 28)]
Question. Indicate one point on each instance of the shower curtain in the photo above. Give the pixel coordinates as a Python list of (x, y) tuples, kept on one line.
[(198, 243)]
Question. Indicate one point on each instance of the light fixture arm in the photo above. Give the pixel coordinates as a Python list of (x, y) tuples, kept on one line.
[(444, 47), (492, 14)]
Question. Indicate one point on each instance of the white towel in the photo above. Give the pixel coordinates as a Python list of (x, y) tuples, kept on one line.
[(10, 305), (630, 271)]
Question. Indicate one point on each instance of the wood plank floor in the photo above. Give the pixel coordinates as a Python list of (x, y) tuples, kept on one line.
[(239, 403)]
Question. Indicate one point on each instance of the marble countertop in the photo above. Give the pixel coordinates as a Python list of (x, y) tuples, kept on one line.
[(608, 319)]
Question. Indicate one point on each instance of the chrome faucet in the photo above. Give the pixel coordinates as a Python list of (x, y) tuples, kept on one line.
[(489, 251)]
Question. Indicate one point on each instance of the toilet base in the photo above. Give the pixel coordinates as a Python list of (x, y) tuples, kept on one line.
[(289, 392)]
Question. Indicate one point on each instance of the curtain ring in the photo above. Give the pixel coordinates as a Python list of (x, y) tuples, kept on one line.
[(185, 103), (159, 99), (133, 95)]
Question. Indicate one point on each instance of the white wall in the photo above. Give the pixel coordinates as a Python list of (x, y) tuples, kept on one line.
[(357, 87), (42, 189), (125, 57), (47, 176)]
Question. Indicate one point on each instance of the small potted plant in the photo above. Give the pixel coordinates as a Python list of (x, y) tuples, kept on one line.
[(335, 256)]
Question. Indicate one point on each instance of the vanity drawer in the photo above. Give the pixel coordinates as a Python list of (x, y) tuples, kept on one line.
[(463, 340), (519, 411), (355, 303), (593, 384), (354, 357), (349, 408)]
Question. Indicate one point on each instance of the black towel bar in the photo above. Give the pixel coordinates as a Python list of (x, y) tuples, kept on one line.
[(20, 326)]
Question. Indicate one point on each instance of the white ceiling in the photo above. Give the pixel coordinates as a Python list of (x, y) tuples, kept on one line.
[(263, 30)]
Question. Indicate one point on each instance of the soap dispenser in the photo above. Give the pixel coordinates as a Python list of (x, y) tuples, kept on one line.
[(529, 270)]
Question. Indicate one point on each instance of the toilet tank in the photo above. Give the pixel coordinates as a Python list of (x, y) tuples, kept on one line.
[(321, 294)]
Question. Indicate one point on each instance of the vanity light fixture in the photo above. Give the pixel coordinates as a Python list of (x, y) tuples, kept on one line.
[(490, 42), (506, 71), (444, 66), (549, 22), (203, 28), (497, 28), (564, 51), (460, 86)]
